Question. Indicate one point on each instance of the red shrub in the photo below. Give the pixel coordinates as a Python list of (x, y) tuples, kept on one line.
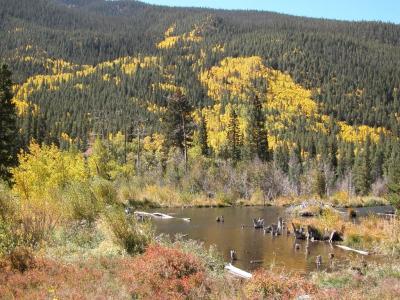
[(164, 273), (50, 279)]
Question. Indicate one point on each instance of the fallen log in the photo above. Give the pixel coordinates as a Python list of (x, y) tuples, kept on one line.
[(354, 250), (238, 272), (162, 216), (157, 215)]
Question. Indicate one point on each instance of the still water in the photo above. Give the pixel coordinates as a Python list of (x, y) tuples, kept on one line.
[(250, 244)]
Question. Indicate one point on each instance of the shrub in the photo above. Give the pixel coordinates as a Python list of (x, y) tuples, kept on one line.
[(7, 202), (209, 256), (128, 232), (82, 203), (104, 191), (48, 279), (7, 239), (21, 259), (165, 273), (43, 170), (268, 285)]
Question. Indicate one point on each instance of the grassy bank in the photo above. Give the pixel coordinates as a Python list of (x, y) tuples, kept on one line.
[(182, 270), (371, 233)]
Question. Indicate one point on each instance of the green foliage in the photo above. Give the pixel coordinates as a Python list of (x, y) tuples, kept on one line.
[(258, 139), (104, 191), (100, 160), (8, 126), (203, 137), (82, 203), (178, 123), (394, 195), (234, 137), (362, 171), (128, 232), (319, 183)]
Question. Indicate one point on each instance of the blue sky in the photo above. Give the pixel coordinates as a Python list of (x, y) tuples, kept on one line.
[(376, 10)]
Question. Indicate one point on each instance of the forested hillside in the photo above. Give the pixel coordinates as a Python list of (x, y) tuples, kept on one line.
[(229, 85)]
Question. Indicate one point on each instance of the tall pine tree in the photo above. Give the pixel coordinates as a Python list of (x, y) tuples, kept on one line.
[(362, 170), (8, 128), (179, 123), (234, 138), (258, 139)]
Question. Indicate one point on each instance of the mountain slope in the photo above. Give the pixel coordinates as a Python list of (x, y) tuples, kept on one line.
[(69, 58)]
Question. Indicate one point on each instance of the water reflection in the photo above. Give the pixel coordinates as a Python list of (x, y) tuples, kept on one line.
[(250, 244)]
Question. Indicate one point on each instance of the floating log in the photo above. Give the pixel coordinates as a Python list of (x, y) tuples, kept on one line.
[(354, 250), (162, 216), (143, 214), (238, 272)]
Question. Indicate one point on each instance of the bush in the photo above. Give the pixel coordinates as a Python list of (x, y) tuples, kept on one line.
[(104, 191), (7, 202), (268, 285), (128, 232), (7, 239), (21, 259), (82, 203), (165, 273)]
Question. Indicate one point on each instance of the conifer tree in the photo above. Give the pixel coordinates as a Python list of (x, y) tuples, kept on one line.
[(362, 171), (8, 128), (179, 123), (319, 183), (234, 138), (203, 136), (295, 168), (258, 139), (281, 158)]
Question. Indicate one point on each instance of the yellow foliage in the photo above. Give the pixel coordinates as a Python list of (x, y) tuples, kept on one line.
[(170, 30), (170, 40), (360, 133), (234, 78), (45, 169), (154, 143), (218, 48), (154, 108), (65, 71), (169, 87)]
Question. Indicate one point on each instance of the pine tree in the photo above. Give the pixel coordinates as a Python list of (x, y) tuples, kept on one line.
[(203, 136), (234, 138), (362, 171), (258, 138), (394, 177), (319, 183), (8, 128), (377, 162), (179, 123), (295, 168), (281, 158)]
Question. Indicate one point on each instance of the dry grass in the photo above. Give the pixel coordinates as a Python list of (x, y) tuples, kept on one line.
[(370, 233)]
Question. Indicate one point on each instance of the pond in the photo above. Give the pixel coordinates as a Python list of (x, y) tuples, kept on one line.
[(249, 243)]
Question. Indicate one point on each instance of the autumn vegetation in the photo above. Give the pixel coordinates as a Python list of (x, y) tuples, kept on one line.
[(100, 115)]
